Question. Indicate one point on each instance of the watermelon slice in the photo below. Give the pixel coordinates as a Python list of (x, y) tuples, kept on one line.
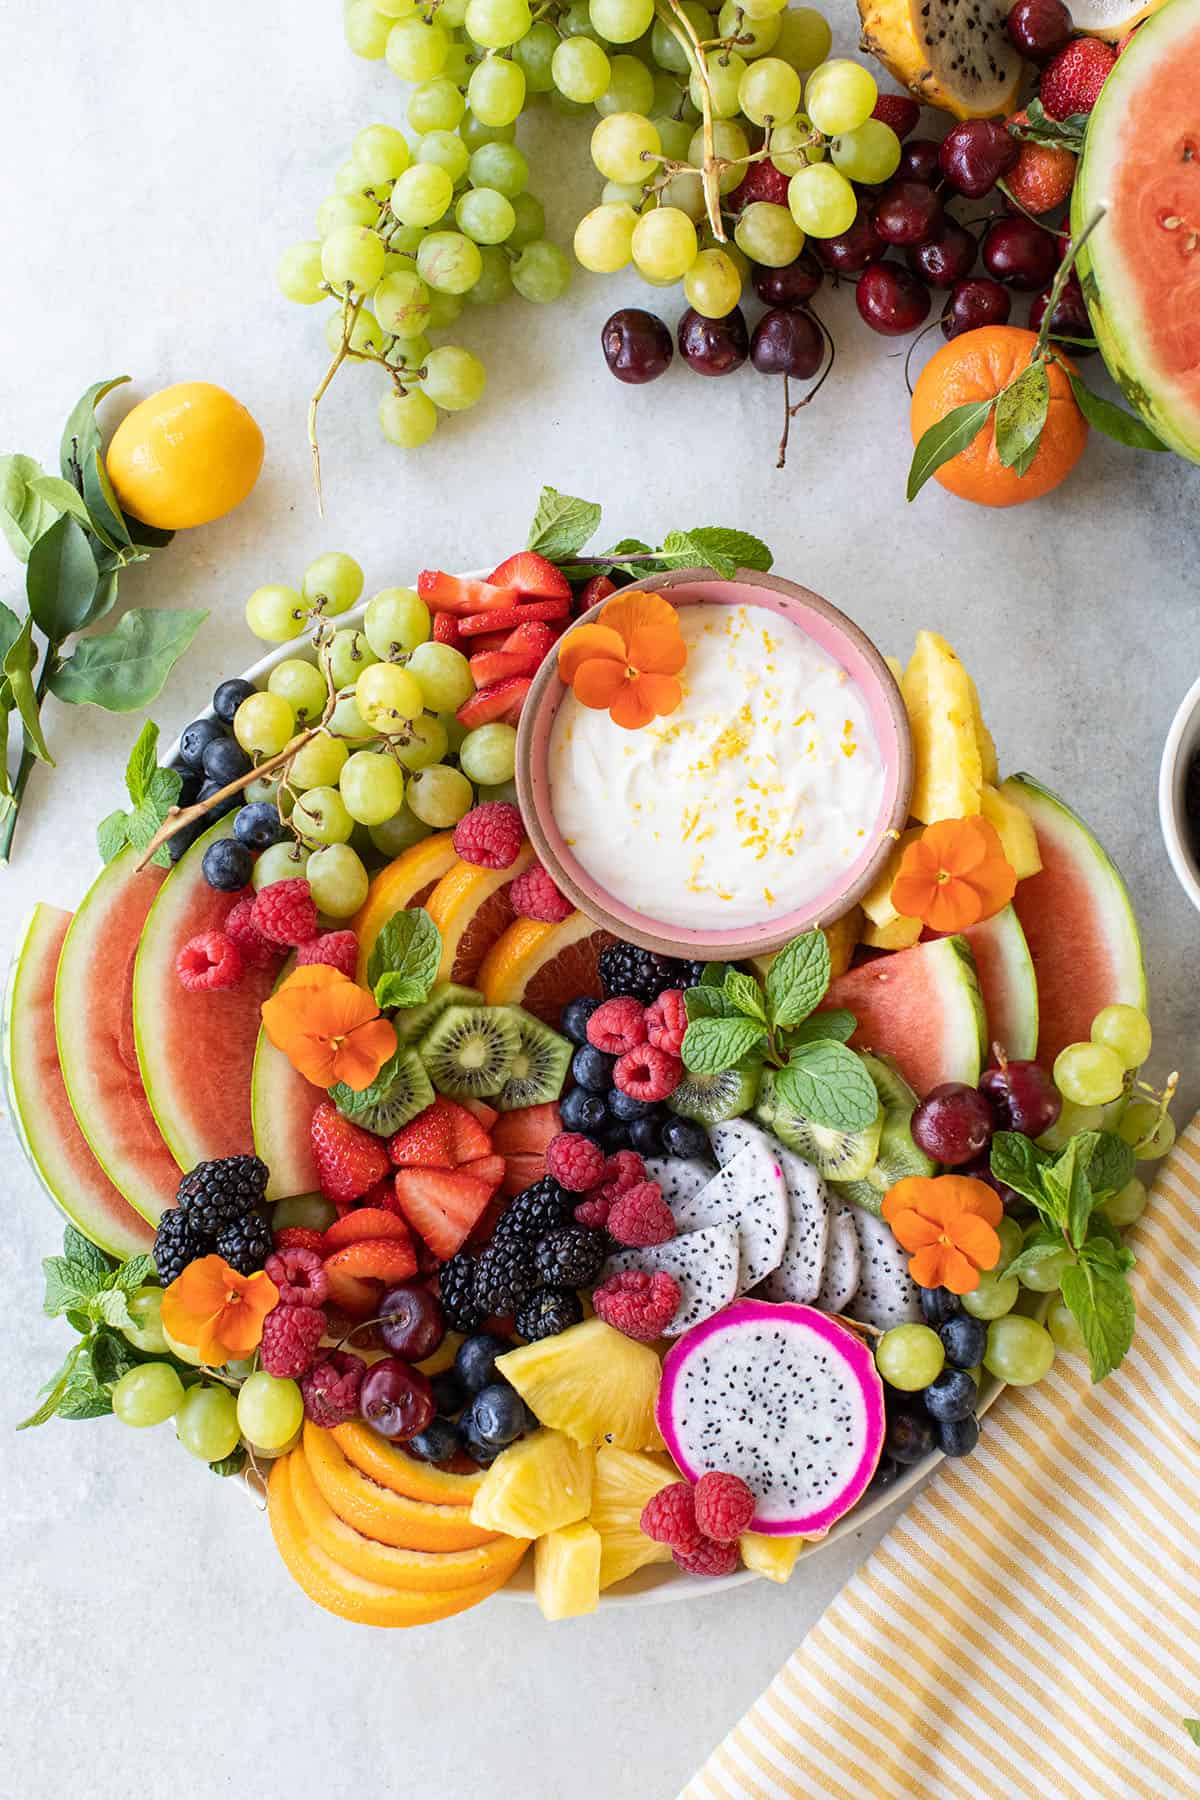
[(282, 1104), (93, 1023), (195, 1051), (922, 1008), (1008, 984), (1079, 922), (38, 1102)]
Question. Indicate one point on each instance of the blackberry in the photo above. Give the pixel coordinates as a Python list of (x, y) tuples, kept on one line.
[(456, 1281), (504, 1275), (569, 1256), (176, 1244), (245, 1243), (548, 1311), (534, 1211), (627, 969), (691, 974), (215, 1193)]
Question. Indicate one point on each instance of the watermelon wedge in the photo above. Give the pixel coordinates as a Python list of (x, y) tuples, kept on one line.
[(94, 1028), (38, 1103), (1078, 920), (282, 1104), (921, 1007), (1007, 983)]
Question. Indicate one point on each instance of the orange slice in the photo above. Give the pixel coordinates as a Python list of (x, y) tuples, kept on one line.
[(392, 1467), (541, 967), (381, 1513), (471, 909), (330, 1584), (405, 882)]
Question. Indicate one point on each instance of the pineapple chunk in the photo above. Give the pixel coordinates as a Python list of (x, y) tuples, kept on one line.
[(774, 1557), (1015, 830), (987, 744), (877, 901), (841, 935), (896, 667), (949, 766), (624, 1482), (590, 1382), (538, 1485), (899, 934), (566, 1571)]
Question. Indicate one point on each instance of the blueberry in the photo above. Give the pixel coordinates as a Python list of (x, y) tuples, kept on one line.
[(185, 837), (438, 1443), (910, 1436), (964, 1340), (884, 1476), (646, 1136), (684, 1138), (958, 1437), (224, 760), (216, 812), (497, 1415), (938, 1305), (191, 781), (227, 866), (592, 1069), (229, 697), (476, 1449), (449, 1394), (196, 738), (575, 1015), (581, 1111), (258, 825), (951, 1397), (624, 1106), (614, 1135), (475, 1360)]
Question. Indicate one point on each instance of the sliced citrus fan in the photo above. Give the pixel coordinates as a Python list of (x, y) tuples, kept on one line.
[(394, 1468), (406, 882), (471, 908), (541, 967), (380, 1512)]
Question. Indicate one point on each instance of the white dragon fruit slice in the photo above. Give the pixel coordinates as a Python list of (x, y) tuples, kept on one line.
[(786, 1398), (734, 1136), (704, 1263), (839, 1283), (678, 1180), (749, 1196), (798, 1275), (887, 1294)]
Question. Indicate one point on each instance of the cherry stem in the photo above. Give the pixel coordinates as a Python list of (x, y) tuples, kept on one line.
[(924, 332)]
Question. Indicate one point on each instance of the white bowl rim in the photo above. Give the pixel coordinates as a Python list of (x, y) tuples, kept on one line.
[(1172, 774)]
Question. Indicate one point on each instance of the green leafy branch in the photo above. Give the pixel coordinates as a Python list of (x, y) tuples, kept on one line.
[(92, 1292), (563, 525)]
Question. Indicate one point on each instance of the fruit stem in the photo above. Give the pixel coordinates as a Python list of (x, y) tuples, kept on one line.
[(1060, 282), (684, 33), (350, 312), (790, 410), (28, 759)]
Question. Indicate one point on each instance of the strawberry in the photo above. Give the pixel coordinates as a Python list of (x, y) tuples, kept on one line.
[(456, 594), (531, 639), (349, 1160), (503, 700), (426, 1142), (475, 623), (479, 1109), (762, 181), (529, 1129), (488, 1169), (442, 1205), (365, 1222), (496, 665), (521, 1169), (356, 1272), (1071, 83), (487, 640), (594, 591), (900, 111), (532, 576), (469, 1134), (1042, 176), (445, 629)]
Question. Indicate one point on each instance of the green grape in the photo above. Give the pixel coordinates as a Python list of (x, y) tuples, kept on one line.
[(402, 303), (282, 862), (1071, 1120), (731, 144), (534, 53), (737, 257), (263, 724), (276, 614), (456, 731), (270, 1410), (1125, 1030), (381, 152), (505, 791), (1088, 1074), (621, 21), (266, 787), (762, 9), (624, 146), (396, 620), (332, 583), (443, 676), (1012, 1240), (712, 286), (318, 763), (753, 37), (146, 1332), (870, 154), (664, 244), (396, 9), (581, 70), (449, 262), (371, 786), (365, 334), (995, 1296), (795, 145), (303, 1212), (399, 833), (346, 722), (298, 274), (452, 12), (366, 29), (320, 816), (686, 192), (337, 211), (484, 215), (186, 1353), (674, 136), (435, 105), (474, 132), (622, 193), (439, 795), (454, 379), (443, 309), (499, 166), (497, 23), (421, 195), (1019, 1350), (445, 150), (603, 238), (839, 96), (206, 1423), (349, 178), (1125, 1207), (407, 420), (496, 92), (670, 95), (301, 685), (407, 355), (460, 60), (576, 21), (542, 272), (630, 88), (388, 696), (666, 48), (416, 51), (350, 653), (768, 234), (338, 880), (770, 90), (822, 201), (495, 280), (489, 754), (147, 1394), (909, 1357), (352, 259), (1064, 1328), (1045, 1275), (1150, 1135), (425, 742), (725, 70)]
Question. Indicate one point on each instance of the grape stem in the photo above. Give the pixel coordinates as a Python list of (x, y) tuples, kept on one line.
[(683, 31), (350, 311)]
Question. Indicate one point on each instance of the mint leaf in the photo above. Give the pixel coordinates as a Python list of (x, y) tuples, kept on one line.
[(152, 791), (114, 1356), (233, 1464), (357, 1104), (836, 1023), (1058, 134), (741, 548), (1067, 1186), (562, 525), (76, 1277), (84, 1396), (1101, 1302), (708, 1003), (54, 1389), (1110, 1161), (1021, 413), (830, 1085), (134, 1273), (1019, 1164), (1108, 1253), (943, 441), (798, 978), (112, 835), (143, 761), (1039, 1248), (110, 1307), (713, 974), (744, 993), (1192, 1727), (713, 1045), (404, 960)]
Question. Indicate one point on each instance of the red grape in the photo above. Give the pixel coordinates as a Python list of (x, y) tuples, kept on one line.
[(714, 346), (637, 345), (891, 300), (946, 258), (396, 1400), (953, 1124), (975, 302), (975, 154), (1020, 253)]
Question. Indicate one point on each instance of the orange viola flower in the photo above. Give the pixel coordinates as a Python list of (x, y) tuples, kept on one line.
[(328, 1027), (954, 875), (627, 663), (217, 1312), (949, 1224)]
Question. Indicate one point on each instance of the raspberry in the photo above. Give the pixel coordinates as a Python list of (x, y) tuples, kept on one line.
[(899, 111), (490, 836), (208, 963), (640, 1216), (667, 1020), (593, 1211), (330, 1389), (617, 1026), (647, 1073), (724, 1506), (290, 1338), (298, 1237), (239, 926), (300, 1277), (622, 1171), (638, 1304), (284, 913), (339, 949), (669, 1517), (574, 1161), (709, 1558), (534, 895), (1072, 82)]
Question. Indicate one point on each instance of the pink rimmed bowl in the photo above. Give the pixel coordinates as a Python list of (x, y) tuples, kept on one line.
[(842, 640)]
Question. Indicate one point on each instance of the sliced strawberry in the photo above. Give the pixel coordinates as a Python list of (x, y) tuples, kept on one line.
[(475, 623), (521, 1170), (488, 1169), (445, 629), (455, 594), (442, 1205), (503, 700), (469, 1135), (349, 1160), (529, 1129), (488, 640), (357, 1272), (365, 1222), (532, 638), (479, 1109), (594, 591), (485, 1225), (533, 576), (496, 665), (426, 1142)]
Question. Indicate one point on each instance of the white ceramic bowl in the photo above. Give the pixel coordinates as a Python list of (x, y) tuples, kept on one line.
[(1183, 742)]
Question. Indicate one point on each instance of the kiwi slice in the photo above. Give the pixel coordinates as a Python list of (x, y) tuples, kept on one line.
[(399, 1092), (412, 1022), (469, 1051), (540, 1066), (897, 1155), (711, 1099), (838, 1155)]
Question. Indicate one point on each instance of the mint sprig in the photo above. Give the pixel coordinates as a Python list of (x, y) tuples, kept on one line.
[(563, 525), (404, 959), (152, 792)]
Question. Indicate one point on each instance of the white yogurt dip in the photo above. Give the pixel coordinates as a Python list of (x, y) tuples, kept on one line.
[(747, 801)]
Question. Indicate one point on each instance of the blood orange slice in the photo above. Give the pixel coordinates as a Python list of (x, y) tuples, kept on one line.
[(541, 967), (471, 909), (406, 882)]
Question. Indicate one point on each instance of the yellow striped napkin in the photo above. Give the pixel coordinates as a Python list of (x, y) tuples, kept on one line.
[(1031, 1626)]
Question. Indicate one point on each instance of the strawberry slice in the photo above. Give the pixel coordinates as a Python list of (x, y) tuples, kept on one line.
[(489, 1169), (532, 638), (445, 629), (487, 640), (503, 700), (442, 1205), (349, 1160), (359, 1272), (469, 1134), (474, 623), (365, 1222), (533, 576), (496, 665), (426, 1142), (529, 1129), (479, 1109), (455, 594), (594, 591), (521, 1170)]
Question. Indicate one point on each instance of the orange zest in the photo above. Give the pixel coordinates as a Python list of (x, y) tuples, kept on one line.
[(954, 875), (328, 1027), (948, 1224), (217, 1312), (627, 664)]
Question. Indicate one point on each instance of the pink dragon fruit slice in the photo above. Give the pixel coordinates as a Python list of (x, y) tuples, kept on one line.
[(843, 1260), (704, 1263), (749, 1196), (786, 1398)]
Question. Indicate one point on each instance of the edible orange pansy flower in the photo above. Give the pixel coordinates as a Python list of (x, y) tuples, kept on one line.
[(626, 664), (328, 1027), (954, 875), (949, 1224), (217, 1312)]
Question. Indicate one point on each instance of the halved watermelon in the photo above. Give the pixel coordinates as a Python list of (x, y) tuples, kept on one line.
[(1007, 983), (282, 1104), (1079, 922), (922, 1007), (41, 1112), (94, 1028)]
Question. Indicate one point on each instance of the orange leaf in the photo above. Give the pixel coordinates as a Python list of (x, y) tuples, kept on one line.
[(588, 641), (598, 682), (630, 613)]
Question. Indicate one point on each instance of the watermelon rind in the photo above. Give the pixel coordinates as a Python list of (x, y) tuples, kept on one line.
[(952, 1021), (1008, 984), (282, 1103)]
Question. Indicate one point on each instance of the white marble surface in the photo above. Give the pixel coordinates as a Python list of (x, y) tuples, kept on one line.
[(157, 159)]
